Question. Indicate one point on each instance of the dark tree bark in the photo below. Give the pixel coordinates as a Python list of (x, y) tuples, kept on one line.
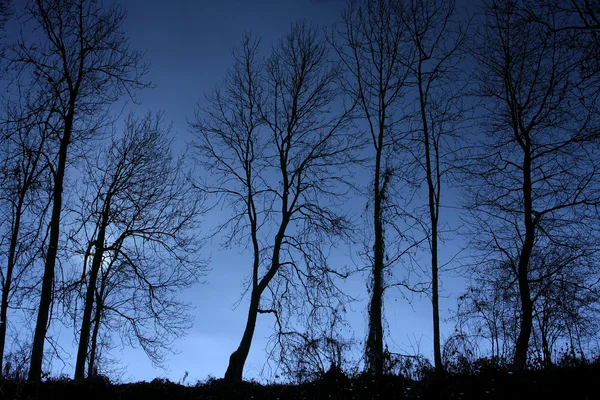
[(91, 368), (237, 360), (35, 368), (522, 344)]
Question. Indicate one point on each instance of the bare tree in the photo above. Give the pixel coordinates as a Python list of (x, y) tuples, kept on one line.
[(141, 249), (273, 140), (23, 200), (534, 182), (374, 48), (310, 319), (83, 62), (565, 302), (438, 42), (230, 146), (319, 352)]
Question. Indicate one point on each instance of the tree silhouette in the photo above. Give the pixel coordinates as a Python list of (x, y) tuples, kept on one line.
[(140, 214), (24, 199), (439, 44), (565, 299), (83, 63), (533, 182), (373, 48), (277, 152)]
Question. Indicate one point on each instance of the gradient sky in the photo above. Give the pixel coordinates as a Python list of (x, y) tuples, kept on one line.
[(188, 43)]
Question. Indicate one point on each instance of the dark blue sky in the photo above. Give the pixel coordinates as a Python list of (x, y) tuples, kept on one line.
[(189, 42)]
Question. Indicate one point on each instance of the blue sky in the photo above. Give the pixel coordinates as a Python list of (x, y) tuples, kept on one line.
[(188, 43)]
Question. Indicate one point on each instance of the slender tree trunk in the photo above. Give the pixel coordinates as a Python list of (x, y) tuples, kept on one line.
[(8, 278), (29, 177), (84, 334), (522, 345), (92, 370), (437, 354), (37, 350), (94, 342), (237, 360), (434, 198), (546, 350), (375, 337), (374, 346)]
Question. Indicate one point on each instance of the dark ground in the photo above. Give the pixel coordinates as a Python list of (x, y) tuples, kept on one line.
[(574, 382)]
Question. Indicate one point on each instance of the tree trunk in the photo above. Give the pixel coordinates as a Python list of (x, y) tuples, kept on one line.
[(94, 342), (546, 350), (84, 334), (434, 201), (375, 339), (8, 278), (97, 317), (374, 348), (437, 354), (237, 359), (37, 350), (522, 345)]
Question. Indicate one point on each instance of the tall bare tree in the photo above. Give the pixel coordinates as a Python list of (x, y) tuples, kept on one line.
[(23, 200), (373, 45), (438, 42), (277, 151), (534, 182), (141, 248), (83, 62)]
